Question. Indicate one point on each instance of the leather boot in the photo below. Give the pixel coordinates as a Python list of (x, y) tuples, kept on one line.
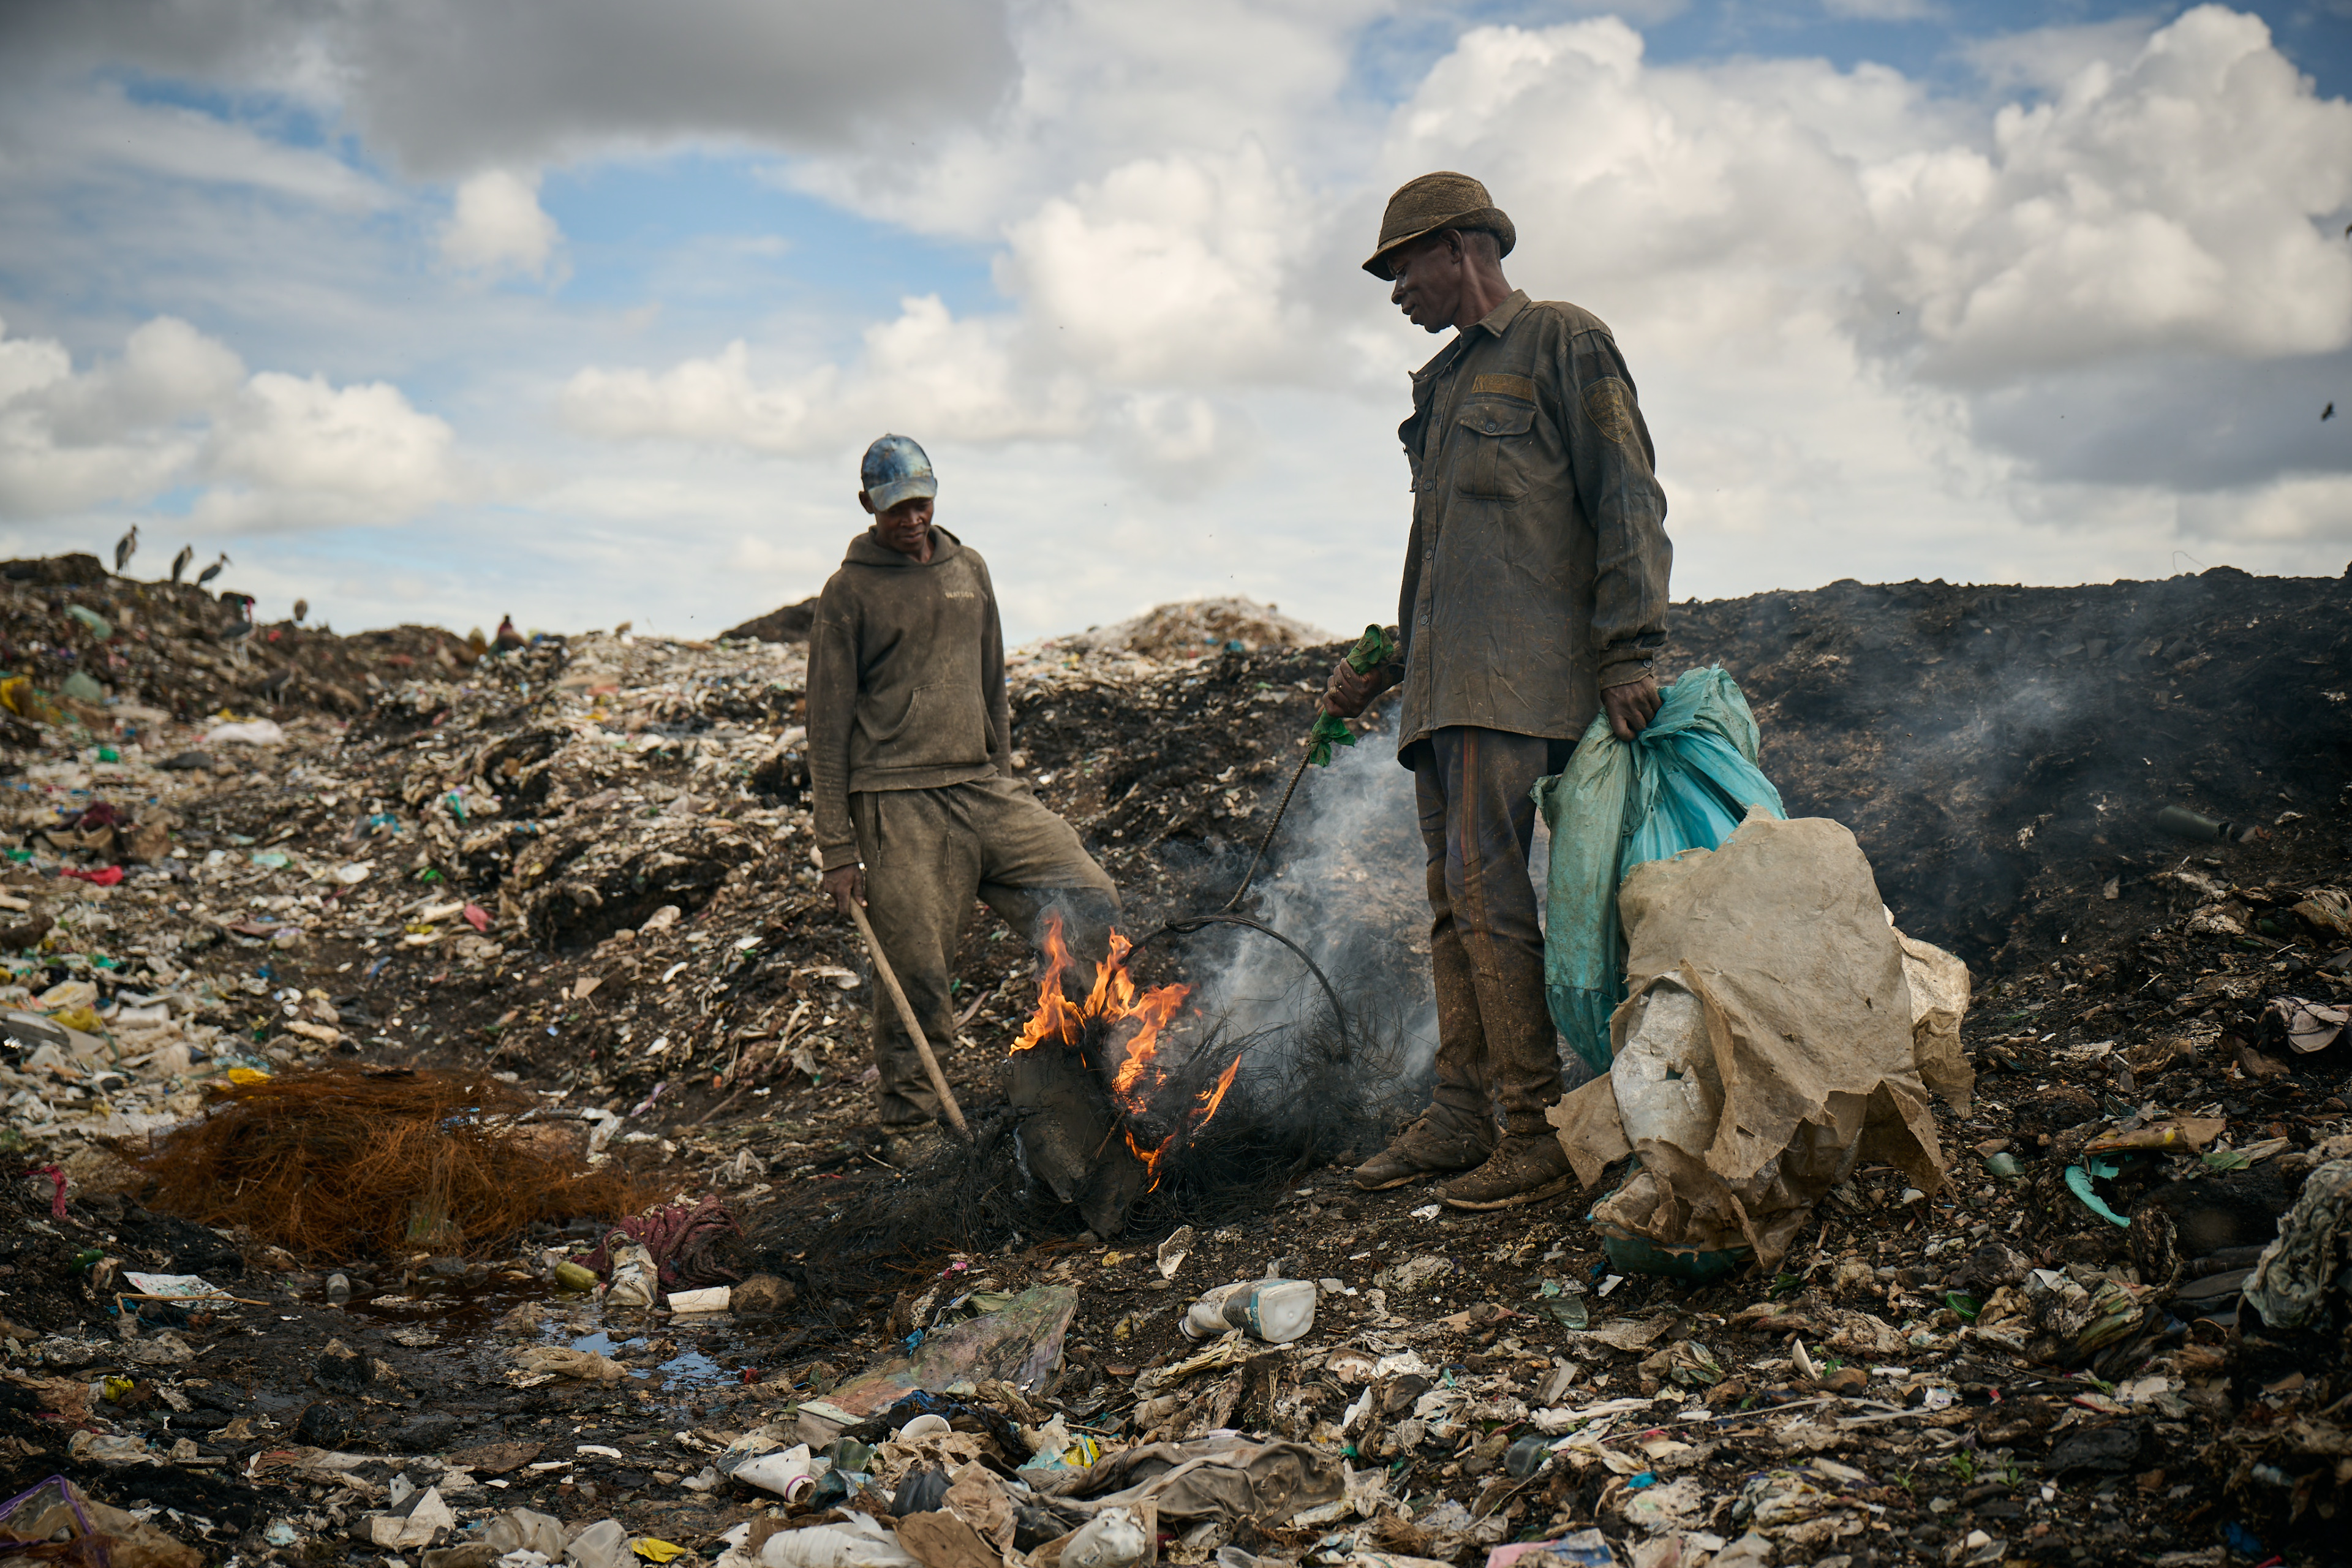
[(1525, 1167), (1428, 1148)]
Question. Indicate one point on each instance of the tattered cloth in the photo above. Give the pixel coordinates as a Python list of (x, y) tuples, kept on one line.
[(683, 1238), (2291, 1277), (1227, 1476)]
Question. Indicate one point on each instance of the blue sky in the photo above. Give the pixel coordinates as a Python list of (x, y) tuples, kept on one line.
[(587, 319)]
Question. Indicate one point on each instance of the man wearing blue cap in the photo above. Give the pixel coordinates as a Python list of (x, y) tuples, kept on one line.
[(910, 761)]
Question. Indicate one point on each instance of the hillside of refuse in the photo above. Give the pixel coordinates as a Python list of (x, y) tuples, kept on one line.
[(574, 882)]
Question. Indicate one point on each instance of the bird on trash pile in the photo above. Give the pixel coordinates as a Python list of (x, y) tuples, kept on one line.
[(213, 571), (180, 561), (125, 549), (509, 639), (302, 608)]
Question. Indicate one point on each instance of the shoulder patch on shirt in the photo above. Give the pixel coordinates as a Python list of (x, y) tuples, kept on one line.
[(1507, 385), (1609, 404)]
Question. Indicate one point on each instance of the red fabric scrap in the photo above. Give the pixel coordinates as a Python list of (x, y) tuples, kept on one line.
[(683, 1237), (105, 876)]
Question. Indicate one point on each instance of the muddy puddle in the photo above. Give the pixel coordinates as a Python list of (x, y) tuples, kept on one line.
[(464, 1320)]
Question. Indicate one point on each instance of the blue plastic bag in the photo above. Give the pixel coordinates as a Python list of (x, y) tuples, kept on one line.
[(1685, 782)]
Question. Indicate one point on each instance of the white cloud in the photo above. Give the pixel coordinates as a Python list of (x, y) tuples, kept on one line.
[(177, 408), (47, 126), (2167, 205), (1167, 270), (294, 452), (924, 369), (1884, 10), (496, 224)]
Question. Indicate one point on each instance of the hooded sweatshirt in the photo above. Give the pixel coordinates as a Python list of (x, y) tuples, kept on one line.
[(906, 681)]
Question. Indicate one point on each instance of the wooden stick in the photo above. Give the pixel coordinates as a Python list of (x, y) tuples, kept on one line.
[(906, 1017)]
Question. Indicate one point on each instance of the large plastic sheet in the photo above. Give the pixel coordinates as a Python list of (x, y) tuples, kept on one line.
[(1685, 782), (1769, 1046)]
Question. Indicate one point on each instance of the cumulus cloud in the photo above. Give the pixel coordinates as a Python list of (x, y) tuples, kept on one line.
[(2165, 204), (496, 224), (955, 380), (177, 408), (446, 86), (294, 452)]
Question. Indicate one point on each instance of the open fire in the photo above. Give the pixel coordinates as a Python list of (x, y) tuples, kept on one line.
[(1101, 1071)]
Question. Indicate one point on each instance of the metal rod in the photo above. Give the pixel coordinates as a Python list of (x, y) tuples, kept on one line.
[(1267, 838), (906, 1017), (1187, 925)]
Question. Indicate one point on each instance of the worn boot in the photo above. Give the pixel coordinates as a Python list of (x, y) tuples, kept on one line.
[(1427, 1148), (1525, 1167)]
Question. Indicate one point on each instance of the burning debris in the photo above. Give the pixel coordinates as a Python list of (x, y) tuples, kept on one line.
[(1109, 1092)]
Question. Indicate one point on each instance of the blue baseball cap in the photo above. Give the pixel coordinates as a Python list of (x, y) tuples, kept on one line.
[(896, 469)]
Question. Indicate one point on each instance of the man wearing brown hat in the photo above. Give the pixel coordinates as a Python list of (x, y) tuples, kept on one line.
[(1535, 594)]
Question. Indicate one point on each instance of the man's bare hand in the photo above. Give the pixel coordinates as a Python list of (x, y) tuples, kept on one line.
[(845, 883), (1346, 695), (1631, 706)]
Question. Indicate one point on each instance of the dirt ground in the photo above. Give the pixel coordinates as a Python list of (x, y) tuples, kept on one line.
[(586, 867)]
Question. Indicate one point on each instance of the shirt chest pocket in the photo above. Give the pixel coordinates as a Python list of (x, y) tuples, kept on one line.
[(1493, 443)]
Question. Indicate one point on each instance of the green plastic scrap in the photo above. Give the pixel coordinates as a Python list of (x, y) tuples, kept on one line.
[(2078, 1182), (99, 625), (1372, 650)]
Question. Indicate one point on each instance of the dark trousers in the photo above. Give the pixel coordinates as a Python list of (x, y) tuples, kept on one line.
[(1494, 1036)]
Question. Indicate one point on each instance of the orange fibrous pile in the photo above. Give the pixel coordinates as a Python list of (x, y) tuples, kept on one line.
[(343, 1162)]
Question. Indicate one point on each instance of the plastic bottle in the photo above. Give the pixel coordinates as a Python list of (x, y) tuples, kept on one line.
[(2187, 823), (1274, 1311), (1526, 1456), (1206, 1318)]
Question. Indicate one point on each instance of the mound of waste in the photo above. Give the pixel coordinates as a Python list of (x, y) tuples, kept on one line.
[(574, 880)]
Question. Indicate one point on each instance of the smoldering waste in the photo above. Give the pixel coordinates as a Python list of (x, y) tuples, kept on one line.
[(573, 882)]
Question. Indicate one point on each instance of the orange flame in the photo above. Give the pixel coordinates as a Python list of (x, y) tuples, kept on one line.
[(1131, 1020)]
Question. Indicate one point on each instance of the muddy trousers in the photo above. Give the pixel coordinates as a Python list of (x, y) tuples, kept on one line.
[(928, 853), (1494, 1035)]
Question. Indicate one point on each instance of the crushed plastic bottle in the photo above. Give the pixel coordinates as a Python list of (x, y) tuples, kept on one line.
[(1274, 1311)]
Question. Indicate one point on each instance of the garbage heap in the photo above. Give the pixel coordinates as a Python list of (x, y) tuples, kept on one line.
[(580, 871)]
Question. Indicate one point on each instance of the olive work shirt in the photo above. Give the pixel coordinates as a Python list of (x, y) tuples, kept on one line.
[(906, 681), (1537, 571)]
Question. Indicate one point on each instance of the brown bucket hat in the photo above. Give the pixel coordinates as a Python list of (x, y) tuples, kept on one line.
[(1432, 202)]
